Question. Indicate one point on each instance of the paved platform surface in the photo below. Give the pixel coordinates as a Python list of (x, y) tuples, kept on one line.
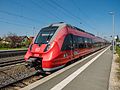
[(90, 74)]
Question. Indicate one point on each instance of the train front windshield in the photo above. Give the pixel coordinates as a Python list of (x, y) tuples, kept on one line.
[(45, 35)]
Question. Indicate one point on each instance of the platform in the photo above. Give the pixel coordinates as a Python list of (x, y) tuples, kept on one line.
[(90, 73)]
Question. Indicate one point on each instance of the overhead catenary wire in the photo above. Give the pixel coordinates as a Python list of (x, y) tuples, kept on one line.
[(13, 21), (27, 18), (53, 4), (64, 9), (17, 15), (39, 6), (16, 24), (64, 13), (82, 12), (80, 20), (34, 3), (69, 14)]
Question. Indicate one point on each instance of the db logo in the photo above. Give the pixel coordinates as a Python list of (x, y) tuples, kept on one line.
[(37, 49)]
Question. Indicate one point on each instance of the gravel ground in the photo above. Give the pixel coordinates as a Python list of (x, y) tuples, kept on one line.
[(13, 74), (114, 83)]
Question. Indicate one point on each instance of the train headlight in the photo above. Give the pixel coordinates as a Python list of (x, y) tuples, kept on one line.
[(65, 55), (47, 47)]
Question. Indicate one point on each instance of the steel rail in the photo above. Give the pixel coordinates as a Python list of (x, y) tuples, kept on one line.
[(11, 62)]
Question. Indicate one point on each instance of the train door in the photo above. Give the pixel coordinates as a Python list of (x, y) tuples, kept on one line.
[(72, 45), (67, 46), (75, 45)]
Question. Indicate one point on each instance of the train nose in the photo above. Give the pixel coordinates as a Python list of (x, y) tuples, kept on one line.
[(35, 63)]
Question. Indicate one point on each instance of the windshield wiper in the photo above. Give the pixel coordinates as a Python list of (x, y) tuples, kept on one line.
[(48, 37)]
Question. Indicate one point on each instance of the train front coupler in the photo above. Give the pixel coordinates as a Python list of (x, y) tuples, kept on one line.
[(35, 63)]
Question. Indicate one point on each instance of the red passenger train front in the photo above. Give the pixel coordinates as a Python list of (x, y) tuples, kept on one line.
[(45, 49)]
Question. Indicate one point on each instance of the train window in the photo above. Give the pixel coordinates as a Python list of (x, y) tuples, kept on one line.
[(45, 35), (86, 42), (89, 43), (93, 43), (75, 42), (67, 44), (85, 39), (81, 42)]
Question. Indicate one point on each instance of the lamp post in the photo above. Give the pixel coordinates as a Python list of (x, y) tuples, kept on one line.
[(33, 31), (113, 26)]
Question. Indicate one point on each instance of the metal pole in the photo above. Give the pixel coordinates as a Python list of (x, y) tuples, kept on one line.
[(113, 26), (33, 31), (113, 33)]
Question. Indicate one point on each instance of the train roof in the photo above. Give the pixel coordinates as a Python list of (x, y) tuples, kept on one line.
[(74, 27), (58, 24), (99, 39), (62, 24)]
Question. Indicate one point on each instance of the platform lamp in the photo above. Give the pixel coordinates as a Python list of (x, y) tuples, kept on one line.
[(113, 26)]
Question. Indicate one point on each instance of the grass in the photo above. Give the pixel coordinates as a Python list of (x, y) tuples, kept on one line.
[(118, 73), (23, 48), (118, 61), (118, 50)]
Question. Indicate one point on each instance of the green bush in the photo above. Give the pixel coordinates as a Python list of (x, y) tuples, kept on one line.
[(4, 45), (118, 50)]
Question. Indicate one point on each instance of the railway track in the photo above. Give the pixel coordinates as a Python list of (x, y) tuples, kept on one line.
[(12, 53), (11, 62), (14, 73), (16, 82), (21, 81)]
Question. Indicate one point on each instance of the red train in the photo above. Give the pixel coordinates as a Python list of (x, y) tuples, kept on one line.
[(58, 44)]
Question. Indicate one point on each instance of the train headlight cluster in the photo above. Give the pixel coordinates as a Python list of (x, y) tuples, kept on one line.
[(65, 55)]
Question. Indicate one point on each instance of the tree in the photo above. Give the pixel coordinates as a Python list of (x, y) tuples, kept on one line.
[(117, 39), (0, 39), (13, 40), (27, 43)]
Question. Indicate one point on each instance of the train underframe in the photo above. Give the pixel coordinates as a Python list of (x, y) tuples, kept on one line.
[(36, 63)]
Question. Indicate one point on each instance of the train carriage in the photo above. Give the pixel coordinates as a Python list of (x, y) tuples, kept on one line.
[(58, 44)]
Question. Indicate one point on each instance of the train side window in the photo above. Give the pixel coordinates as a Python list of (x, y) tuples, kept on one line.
[(96, 44), (89, 42), (75, 41), (93, 43), (86, 42), (81, 42), (67, 44)]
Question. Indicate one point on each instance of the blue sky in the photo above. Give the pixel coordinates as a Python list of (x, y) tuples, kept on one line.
[(26, 17)]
